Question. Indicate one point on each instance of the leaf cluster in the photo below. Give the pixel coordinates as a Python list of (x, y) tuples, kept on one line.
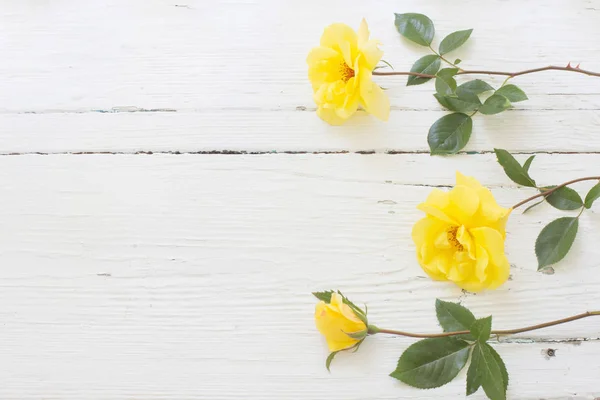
[(555, 240), (434, 362), (451, 133)]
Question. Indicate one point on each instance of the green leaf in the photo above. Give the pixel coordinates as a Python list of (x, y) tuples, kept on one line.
[(512, 93), (457, 61), (476, 86), (564, 198), (494, 104), (528, 163), (555, 240), (513, 169), (445, 84), (324, 296), (464, 102), (488, 371), (450, 134), (431, 363), (453, 317), (474, 373), (454, 40), (593, 195), (481, 329), (425, 65), (443, 100), (468, 102), (357, 345), (415, 27), (500, 363), (330, 359)]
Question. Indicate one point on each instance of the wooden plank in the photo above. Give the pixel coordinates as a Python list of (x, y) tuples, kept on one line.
[(237, 63), (255, 131), (188, 276)]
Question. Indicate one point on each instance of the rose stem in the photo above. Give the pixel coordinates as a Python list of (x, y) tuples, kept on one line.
[(373, 329)]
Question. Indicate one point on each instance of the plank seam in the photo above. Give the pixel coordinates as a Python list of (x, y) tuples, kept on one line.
[(267, 152)]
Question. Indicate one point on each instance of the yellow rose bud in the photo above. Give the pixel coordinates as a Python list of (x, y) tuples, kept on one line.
[(336, 321), (462, 237), (340, 71)]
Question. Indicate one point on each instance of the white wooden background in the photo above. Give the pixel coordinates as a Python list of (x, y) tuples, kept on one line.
[(140, 259)]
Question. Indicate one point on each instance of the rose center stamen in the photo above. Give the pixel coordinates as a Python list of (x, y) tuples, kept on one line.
[(453, 240), (346, 72)]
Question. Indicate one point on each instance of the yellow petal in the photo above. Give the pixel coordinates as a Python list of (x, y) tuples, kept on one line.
[(438, 199), (481, 263), (464, 203), (444, 261), (376, 102), (342, 38), (491, 240), (350, 104), (441, 241), (435, 268), (501, 272), (436, 213), (464, 238), (330, 116), (368, 48), (363, 33), (471, 285), (318, 54), (338, 301), (420, 229), (467, 181), (374, 99), (371, 54), (454, 274), (333, 323)]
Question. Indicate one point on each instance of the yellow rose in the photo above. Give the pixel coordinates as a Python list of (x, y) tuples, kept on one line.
[(340, 71), (336, 320), (462, 237)]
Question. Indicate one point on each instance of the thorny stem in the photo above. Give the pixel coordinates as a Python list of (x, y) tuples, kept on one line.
[(509, 74), (549, 192), (373, 329)]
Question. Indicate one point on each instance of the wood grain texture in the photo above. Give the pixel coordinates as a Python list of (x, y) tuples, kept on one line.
[(188, 276), (233, 76)]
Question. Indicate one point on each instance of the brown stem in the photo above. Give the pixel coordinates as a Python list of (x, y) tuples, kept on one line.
[(586, 314), (549, 192), (509, 74)]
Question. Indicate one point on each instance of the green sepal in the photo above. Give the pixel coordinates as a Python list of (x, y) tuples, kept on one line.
[(324, 296), (330, 359), (358, 335)]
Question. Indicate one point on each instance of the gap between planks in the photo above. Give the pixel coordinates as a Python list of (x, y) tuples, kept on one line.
[(274, 152)]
